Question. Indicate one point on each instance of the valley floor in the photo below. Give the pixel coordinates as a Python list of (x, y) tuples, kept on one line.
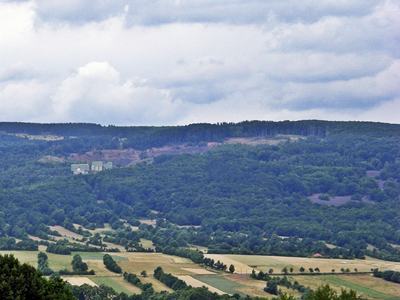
[(222, 282)]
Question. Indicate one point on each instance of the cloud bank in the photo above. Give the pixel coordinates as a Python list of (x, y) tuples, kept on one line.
[(136, 62)]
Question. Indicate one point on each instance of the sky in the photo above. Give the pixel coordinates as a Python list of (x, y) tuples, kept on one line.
[(170, 62)]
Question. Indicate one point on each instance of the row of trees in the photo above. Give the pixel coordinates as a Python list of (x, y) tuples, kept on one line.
[(273, 283), (147, 288), (291, 270), (169, 280), (389, 275), (111, 264)]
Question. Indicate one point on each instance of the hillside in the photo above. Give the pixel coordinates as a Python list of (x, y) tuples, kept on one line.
[(277, 188)]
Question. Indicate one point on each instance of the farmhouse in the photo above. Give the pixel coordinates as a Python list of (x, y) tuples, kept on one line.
[(78, 169), (94, 167), (97, 166)]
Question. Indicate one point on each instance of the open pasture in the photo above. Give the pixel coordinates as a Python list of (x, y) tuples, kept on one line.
[(264, 263), (221, 282), (368, 286), (197, 283)]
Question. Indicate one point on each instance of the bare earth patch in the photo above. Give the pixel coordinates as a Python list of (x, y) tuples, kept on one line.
[(79, 281), (148, 222), (51, 159), (373, 173), (65, 232), (333, 201), (273, 140), (41, 137)]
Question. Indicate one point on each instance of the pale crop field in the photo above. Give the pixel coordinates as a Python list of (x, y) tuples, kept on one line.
[(66, 233), (240, 282), (264, 263), (147, 244), (240, 266)]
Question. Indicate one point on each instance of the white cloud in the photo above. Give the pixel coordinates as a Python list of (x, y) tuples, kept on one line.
[(169, 62), (96, 92), (26, 100)]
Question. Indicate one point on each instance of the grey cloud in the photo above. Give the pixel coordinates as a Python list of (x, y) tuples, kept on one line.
[(242, 12), (158, 12), (78, 10), (358, 94), (379, 31)]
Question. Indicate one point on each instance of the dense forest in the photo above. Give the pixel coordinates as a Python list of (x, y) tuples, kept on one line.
[(333, 191)]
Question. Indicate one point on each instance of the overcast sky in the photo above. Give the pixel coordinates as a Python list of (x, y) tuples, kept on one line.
[(156, 62)]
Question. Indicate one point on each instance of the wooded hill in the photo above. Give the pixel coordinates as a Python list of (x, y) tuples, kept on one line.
[(266, 199)]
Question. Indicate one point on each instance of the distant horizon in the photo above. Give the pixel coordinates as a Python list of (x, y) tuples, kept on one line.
[(196, 123)]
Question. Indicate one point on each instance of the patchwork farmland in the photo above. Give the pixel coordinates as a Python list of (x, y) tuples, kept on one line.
[(221, 282)]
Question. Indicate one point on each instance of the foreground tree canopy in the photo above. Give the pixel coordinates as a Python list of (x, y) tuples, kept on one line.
[(21, 281)]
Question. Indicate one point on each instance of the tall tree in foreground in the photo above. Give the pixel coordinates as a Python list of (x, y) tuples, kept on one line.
[(23, 282)]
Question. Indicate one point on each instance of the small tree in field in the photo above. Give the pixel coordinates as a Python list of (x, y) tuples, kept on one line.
[(270, 271), (143, 273), (302, 269), (232, 269), (78, 265)]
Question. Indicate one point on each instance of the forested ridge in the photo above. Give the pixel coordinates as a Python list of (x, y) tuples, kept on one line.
[(151, 136), (254, 199)]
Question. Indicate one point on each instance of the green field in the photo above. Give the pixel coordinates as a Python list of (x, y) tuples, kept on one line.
[(111, 282), (369, 292), (220, 282)]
